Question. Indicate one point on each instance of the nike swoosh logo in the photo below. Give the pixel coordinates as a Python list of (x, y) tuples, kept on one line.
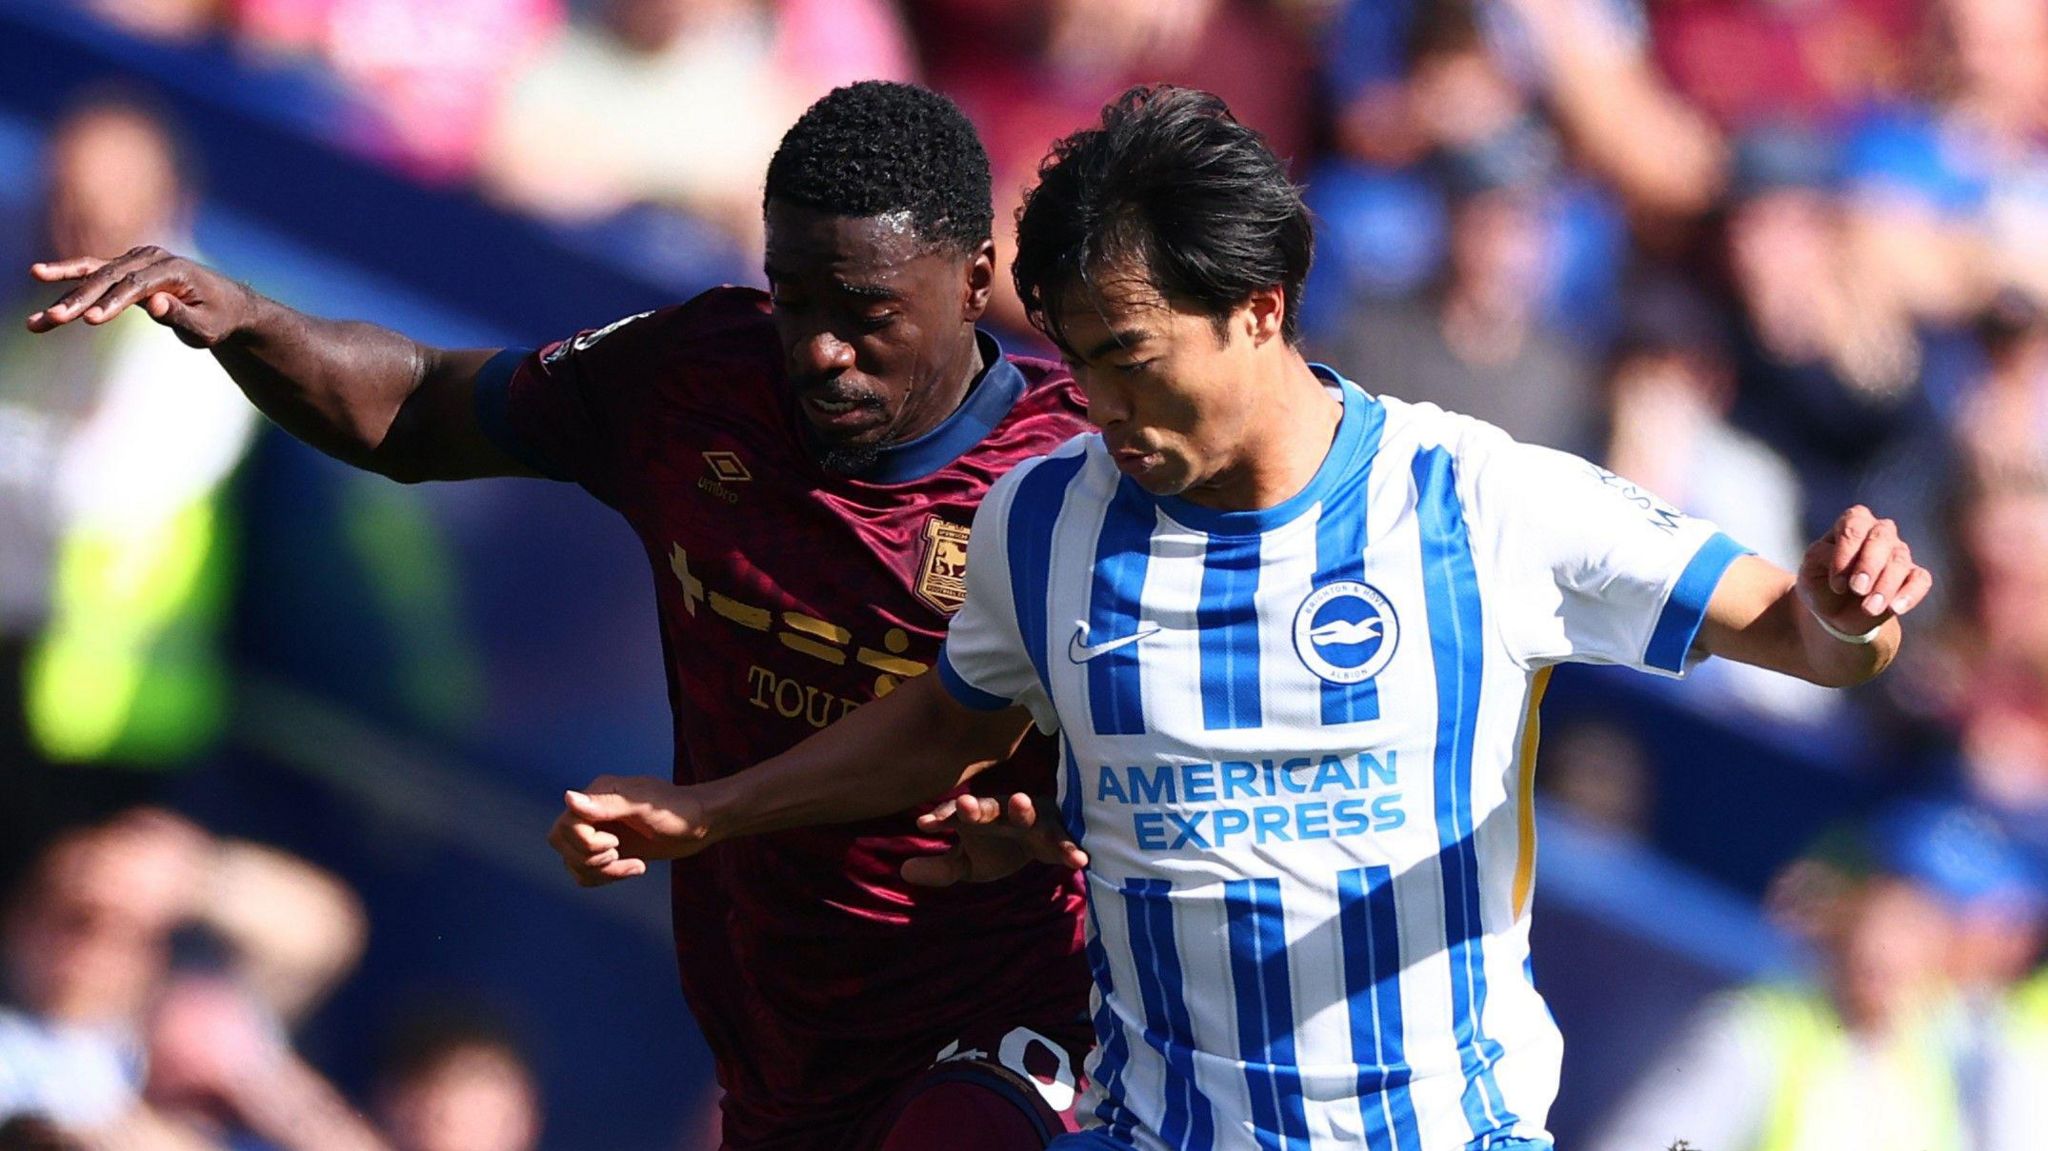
[(1079, 652)]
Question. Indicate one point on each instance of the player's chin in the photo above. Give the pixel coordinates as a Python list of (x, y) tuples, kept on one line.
[(1161, 480), (850, 455)]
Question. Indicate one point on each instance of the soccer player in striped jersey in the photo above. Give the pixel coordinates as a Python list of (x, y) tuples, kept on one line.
[(1291, 637)]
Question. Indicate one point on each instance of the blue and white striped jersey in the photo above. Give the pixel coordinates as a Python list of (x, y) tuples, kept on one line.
[(1297, 746)]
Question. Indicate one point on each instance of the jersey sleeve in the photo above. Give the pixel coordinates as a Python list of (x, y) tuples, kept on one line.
[(1587, 566), (574, 409), (984, 662)]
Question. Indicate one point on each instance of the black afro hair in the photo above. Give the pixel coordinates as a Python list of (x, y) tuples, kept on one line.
[(877, 148)]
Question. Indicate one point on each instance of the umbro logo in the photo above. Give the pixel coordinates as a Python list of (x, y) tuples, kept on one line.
[(1079, 650), (725, 468)]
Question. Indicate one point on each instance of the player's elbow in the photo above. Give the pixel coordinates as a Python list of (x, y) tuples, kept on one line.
[(956, 741), (401, 470), (393, 461), (403, 448)]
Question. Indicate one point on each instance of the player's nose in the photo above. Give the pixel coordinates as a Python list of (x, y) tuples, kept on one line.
[(1106, 402), (821, 355)]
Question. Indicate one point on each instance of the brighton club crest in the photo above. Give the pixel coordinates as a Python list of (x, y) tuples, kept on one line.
[(1345, 632)]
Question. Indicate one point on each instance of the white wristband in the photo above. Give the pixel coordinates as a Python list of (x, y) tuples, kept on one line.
[(1867, 637)]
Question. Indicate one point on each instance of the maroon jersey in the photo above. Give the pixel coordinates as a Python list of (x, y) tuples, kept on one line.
[(787, 597)]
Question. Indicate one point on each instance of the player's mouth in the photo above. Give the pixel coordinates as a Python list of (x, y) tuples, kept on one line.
[(1135, 462), (842, 414)]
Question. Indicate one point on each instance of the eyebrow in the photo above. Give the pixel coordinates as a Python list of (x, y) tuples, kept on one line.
[(1122, 339), (864, 291), (867, 291)]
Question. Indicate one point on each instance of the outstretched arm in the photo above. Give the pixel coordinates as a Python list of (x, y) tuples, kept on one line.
[(912, 745), (366, 395), (1836, 622)]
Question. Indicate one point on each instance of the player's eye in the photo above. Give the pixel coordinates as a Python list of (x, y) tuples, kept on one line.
[(1133, 368), (876, 321)]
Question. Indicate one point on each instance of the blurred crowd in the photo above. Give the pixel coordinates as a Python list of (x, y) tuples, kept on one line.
[(1765, 258), (1921, 1025), (154, 975)]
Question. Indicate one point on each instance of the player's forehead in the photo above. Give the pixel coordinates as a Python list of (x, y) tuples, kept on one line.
[(1111, 310), (804, 243)]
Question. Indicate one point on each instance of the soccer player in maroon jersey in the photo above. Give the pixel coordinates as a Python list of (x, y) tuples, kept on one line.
[(801, 470)]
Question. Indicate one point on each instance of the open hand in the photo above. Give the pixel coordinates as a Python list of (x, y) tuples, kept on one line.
[(614, 827), (997, 839), (202, 306)]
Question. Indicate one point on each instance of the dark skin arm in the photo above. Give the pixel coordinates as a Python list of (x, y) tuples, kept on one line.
[(910, 746), (366, 395)]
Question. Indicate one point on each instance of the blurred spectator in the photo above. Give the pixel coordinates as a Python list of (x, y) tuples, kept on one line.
[(1479, 343), (1029, 71), (1670, 388), (1988, 676), (222, 1071), (1669, 391), (1602, 774), (1999, 902), (2029, 1038), (1625, 125), (291, 931), (457, 1082), (1745, 62), (677, 103), (116, 447), (2003, 425), (28, 1133), (1410, 79), (1832, 364), (431, 75), (167, 21), (1952, 187), (1856, 1058), (100, 1036), (1430, 93), (86, 947)]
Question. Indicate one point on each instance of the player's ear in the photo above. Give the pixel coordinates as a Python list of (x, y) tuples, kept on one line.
[(1263, 314), (981, 280)]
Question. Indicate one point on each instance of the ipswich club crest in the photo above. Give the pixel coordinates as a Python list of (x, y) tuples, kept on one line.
[(1346, 632), (942, 578)]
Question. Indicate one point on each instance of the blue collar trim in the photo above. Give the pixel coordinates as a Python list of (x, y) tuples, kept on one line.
[(989, 398)]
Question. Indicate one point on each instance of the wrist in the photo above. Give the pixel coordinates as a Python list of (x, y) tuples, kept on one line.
[(256, 317), (1860, 639), (722, 810)]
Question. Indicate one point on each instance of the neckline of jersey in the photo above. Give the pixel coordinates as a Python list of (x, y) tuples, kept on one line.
[(989, 398), (1337, 463)]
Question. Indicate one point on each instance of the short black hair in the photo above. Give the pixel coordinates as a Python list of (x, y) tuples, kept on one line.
[(1172, 186), (429, 1035), (876, 148)]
